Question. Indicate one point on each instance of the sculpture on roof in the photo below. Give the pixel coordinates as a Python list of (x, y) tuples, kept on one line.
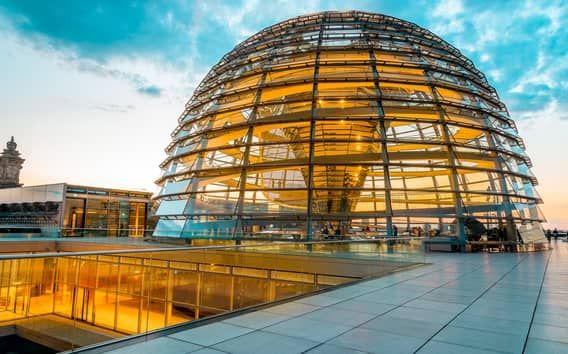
[(10, 166)]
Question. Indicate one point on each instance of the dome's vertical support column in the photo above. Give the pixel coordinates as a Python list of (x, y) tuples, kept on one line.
[(452, 159), (383, 139), (309, 212), (454, 178), (246, 160), (193, 187), (511, 232)]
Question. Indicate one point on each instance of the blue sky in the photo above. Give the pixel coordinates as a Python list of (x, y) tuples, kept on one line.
[(92, 89)]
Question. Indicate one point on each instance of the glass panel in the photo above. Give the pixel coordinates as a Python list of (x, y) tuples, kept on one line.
[(291, 93), (344, 72), (298, 74), (169, 228), (344, 56), (216, 291), (346, 89), (171, 207)]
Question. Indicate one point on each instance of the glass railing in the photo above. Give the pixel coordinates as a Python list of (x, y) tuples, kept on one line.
[(70, 300)]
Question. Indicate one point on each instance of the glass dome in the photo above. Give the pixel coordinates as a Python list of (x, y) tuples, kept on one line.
[(345, 123)]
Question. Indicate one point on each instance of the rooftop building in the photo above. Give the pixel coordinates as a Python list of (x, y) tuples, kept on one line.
[(72, 210), (10, 166)]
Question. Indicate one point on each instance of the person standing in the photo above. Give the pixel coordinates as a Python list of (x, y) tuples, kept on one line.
[(548, 235)]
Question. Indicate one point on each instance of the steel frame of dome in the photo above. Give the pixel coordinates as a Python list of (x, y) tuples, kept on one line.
[(347, 119)]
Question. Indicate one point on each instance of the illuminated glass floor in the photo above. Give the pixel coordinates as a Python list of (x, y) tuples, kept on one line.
[(462, 303)]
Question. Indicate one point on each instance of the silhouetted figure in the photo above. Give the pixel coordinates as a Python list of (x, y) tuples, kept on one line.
[(395, 231), (548, 235), (502, 232)]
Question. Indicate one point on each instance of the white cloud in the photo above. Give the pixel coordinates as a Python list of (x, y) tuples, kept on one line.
[(496, 74), (554, 111), (176, 81), (555, 11), (448, 8), (452, 26), (490, 26), (548, 72), (448, 20), (246, 19)]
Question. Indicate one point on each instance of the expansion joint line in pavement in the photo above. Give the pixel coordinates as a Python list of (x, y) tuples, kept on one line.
[(537, 300)]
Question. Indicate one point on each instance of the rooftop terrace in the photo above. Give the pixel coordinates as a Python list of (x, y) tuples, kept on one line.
[(459, 303), (65, 294)]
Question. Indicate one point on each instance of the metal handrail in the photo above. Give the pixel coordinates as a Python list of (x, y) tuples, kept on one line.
[(197, 248)]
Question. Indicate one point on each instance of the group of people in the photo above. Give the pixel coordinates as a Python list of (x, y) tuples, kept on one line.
[(329, 229), (555, 233), (498, 233)]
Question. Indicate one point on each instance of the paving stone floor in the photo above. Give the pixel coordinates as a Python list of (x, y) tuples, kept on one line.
[(461, 303)]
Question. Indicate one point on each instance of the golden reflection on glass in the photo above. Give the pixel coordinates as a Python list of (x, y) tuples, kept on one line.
[(136, 293)]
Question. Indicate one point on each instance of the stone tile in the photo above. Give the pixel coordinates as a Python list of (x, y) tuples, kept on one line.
[(265, 342), (210, 334), (468, 287), (257, 319), (291, 309), (436, 305), (557, 334), (358, 305), (380, 282), (389, 296), (411, 313), (553, 308), (349, 292), (495, 311), (332, 349), (428, 283), (468, 320), (302, 327), (560, 302), (557, 320), (515, 289), (490, 303), (339, 316), (502, 342), (319, 300), (495, 297), (162, 344), (540, 346), (453, 292), (414, 288), (434, 347), (411, 328), (206, 351), (371, 341), (463, 289), (453, 298)]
